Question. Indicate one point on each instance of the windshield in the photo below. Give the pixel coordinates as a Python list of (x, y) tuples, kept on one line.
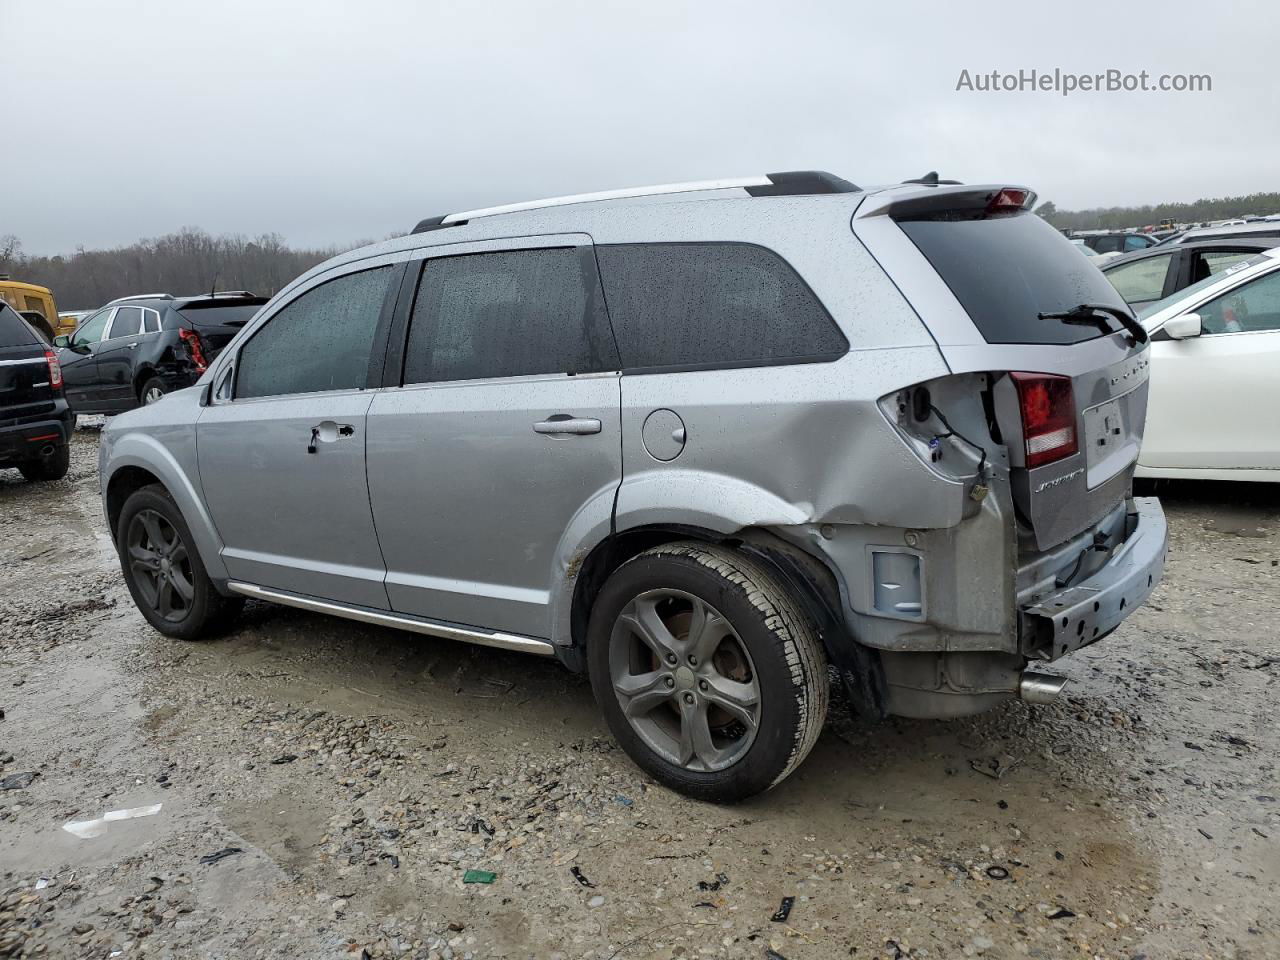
[(1154, 308), (1006, 271)]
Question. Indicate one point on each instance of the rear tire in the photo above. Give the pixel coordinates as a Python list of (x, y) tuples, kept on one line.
[(151, 391), (52, 467), (711, 677), (163, 570)]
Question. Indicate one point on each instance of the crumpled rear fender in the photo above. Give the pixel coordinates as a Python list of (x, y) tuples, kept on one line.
[(666, 498)]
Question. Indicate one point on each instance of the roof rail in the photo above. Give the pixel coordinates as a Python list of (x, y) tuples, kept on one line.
[(787, 184), (143, 296)]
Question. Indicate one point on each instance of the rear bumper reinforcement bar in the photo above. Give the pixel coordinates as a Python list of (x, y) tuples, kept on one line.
[(1087, 612)]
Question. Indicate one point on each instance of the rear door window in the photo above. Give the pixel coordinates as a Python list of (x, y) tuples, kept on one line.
[(1205, 263), (708, 305), (1142, 280), (1006, 271), (321, 340), (14, 331), (127, 323), (506, 314)]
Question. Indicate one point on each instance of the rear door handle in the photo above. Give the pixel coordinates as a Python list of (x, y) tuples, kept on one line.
[(562, 423)]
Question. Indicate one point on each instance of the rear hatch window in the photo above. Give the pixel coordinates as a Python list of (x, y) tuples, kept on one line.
[(14, 331), (24, 372), (1007, 270), (220, 314)]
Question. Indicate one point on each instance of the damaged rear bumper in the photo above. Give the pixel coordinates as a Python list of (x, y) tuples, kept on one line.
[(1087, 611), (1043, 623)]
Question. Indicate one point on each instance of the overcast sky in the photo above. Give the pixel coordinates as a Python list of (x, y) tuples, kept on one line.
[(329, 122)]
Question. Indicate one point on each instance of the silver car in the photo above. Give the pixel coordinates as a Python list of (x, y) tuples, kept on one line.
[(703, 442)]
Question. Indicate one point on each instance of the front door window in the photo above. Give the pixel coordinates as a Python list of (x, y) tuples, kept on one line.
[(1253, 307)]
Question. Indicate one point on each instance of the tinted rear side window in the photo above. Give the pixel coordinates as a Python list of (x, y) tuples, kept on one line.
[(14, 331), (700, 305), (1005, 271), (508, 314)]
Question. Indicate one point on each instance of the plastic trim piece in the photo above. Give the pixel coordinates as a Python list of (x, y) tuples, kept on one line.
[(800, 183)]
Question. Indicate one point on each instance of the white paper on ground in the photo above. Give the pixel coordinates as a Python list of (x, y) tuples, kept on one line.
[(86, 829)]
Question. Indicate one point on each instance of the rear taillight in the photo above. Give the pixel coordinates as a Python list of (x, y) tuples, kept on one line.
[(55, 369), (194, 347), (1048, 416)]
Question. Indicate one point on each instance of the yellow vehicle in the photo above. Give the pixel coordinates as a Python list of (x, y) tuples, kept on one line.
[(36, 306)]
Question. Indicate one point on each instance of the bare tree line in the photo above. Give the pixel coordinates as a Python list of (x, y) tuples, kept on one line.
[(186, 262), (1197, 211)]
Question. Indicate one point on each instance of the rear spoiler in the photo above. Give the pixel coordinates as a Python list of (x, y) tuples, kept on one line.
[(947, 201), (223, 300)]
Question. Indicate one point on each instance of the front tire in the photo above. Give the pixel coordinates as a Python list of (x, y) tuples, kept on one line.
[(711, 677), (163, 570), (52, 467)]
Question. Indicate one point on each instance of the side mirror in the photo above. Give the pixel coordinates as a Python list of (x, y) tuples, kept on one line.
[(1184, 327), (62, 340)]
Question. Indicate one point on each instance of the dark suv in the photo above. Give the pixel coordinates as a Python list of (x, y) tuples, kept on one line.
[(1118, 242), (35, 422), (135, 350)]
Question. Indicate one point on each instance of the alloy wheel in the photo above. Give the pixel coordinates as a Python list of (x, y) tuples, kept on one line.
[(684, 680), (152, 395), (161, 565)]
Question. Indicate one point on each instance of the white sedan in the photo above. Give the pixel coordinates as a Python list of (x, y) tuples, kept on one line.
[(1215, 377)]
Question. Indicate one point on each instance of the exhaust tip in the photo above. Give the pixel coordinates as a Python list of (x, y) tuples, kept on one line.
[(48, 450), (1040, 687)]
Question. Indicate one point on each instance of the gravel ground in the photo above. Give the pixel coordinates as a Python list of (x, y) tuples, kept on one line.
[(350, 777)]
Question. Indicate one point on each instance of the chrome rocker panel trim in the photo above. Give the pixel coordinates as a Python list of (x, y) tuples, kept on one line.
[(486, 638)]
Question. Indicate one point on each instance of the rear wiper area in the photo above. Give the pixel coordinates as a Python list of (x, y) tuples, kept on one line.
[(1093, 315)]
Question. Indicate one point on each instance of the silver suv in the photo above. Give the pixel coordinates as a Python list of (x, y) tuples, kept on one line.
[(705, 442)]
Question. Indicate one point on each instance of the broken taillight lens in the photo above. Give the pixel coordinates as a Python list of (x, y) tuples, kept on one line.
[(1048, 411), (194, 347), (55, 369)]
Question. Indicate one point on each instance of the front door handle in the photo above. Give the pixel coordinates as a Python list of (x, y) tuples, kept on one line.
[(132, 346), (563, 424), (326, 431)]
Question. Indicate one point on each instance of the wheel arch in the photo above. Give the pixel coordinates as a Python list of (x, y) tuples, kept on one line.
[(806, 577), (122, 484), (137, 459), (144, 373)]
